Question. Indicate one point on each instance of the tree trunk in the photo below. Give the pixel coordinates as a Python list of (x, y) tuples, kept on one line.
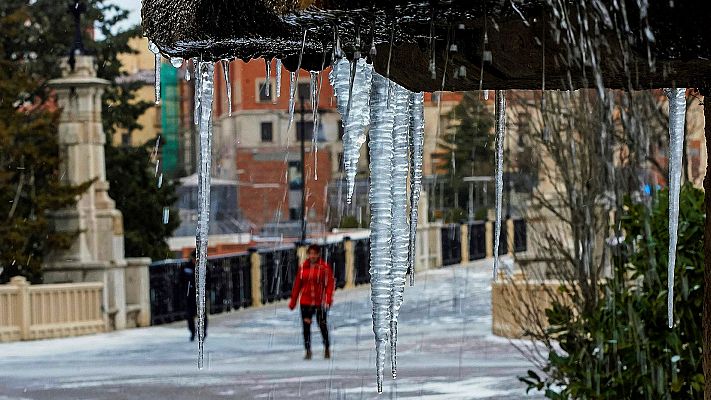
[(707, 249)]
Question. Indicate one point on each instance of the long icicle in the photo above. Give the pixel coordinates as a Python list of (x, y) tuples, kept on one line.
[(228, 85), (154, 49), (196, 91), (401, 229), (355, 124), (207, 72), (278, 78), (293, 87), (380, 196), (268, 77), (677, 120), (417, 145), (500, 111)]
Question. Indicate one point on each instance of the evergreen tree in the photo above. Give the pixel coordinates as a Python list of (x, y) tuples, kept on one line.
[(43, 35), (466, 148), (30, 166)]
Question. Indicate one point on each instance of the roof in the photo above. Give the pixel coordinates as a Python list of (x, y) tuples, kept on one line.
[(526, 39)]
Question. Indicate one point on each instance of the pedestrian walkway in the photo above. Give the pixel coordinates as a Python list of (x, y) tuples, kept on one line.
[(446, 351)]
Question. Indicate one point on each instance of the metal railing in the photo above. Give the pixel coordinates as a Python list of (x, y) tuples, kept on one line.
[(477, 240), (451, 244)]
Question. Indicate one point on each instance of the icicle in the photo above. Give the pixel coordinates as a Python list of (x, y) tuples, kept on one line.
[(166, 215), (380, 196), (354, 63), (207, 71), (292, 88), (486, 95), (197, 88), (278, 78), (677, 120), (356, 123), (433, 65), (500, 111), (228, 85), (400, 227), (268, 78), (292, 98), (417, 144), (154, 49), (160, 181), (315, 89)]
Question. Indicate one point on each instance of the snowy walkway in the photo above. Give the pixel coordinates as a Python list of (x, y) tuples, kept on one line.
[(446, 351)]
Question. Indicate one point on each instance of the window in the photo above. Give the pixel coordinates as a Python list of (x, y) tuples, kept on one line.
[(126, 139), (294, 214), (308, 129), (303, 90), (265, 96), (267, 131), (294, 175)]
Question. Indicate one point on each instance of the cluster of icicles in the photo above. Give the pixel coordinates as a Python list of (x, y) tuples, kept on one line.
[(393, 116)]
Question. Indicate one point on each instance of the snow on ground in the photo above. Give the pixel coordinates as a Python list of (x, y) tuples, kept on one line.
[(446, 351)]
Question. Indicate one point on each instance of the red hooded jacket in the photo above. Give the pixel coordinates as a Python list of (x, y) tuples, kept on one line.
[(314, 283)]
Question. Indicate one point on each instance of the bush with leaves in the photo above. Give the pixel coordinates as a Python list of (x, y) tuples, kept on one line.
[(623, 348)]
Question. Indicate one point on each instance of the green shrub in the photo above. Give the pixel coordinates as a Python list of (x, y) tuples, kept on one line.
[(623, 349)]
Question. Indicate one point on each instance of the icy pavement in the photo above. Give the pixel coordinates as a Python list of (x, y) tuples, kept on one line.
[(446, 351)]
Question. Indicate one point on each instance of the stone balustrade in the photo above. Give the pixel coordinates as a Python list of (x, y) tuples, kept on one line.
[(29, 312)]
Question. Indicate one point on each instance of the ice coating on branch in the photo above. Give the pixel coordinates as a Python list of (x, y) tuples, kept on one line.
[(400, 227), (206, 72), (228, 85), (154, 49), (380, 196), (278, 78), (677, 120), (500, 112), (356, 122), (417, 146)]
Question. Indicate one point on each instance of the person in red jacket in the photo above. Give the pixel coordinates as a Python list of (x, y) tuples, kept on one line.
[(314, 283)]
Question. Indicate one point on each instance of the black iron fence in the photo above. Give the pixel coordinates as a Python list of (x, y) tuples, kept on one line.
[(229, 279), (451, 244), (228, 286), (335, 255), (477, 240), (361, 259)]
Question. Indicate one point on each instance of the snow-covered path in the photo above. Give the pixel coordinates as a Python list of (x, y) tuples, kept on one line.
[(446, 351)]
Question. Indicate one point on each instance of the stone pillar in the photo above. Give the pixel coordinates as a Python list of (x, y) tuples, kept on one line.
[(256, 274), (23, 305), (464, 242), (350, 262), (489, 238), (301, 252), (97, 253), (138, 288)]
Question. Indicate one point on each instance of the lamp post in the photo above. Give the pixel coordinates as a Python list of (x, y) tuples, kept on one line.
[(302, 133)]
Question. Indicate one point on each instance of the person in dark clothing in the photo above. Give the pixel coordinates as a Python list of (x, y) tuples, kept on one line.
[(314, 286), (187, 278)]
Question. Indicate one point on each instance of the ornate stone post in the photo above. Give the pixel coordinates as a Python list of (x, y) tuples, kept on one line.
[(97, 253)]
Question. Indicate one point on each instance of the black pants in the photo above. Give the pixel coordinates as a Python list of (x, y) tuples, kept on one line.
[(190, 315), (307, 313)]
